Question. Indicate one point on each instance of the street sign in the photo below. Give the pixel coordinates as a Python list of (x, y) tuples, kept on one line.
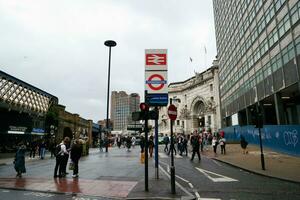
[(156, 59), (172, 112), (156, 77), (156, 82), (157, 99)]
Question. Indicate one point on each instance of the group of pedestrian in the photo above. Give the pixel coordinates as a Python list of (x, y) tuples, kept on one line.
[(199, 141), (64, 151), (37, 147)]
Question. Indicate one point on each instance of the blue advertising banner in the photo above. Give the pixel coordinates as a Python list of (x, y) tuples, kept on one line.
[(281, 138)]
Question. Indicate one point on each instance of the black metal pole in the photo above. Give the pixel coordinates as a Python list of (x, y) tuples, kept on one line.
[(172, 169), (261, 151), (108, 86), (146, 149), (156, 146), (259, 124), (108, 43)]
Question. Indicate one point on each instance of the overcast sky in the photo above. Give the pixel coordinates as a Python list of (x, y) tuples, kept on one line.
[(58, 45)]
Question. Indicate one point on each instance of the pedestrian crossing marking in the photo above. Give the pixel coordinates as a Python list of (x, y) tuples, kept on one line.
[(220, 178), (162, 155)]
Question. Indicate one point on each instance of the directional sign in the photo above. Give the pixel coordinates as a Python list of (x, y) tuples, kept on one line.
[(156, 82), (156, 59), (157, 99)]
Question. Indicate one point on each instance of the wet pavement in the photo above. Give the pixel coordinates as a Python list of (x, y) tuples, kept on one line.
[(117, 174), (103, 188)]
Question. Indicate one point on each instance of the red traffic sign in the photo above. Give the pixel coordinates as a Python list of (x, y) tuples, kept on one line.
[(172, 112)]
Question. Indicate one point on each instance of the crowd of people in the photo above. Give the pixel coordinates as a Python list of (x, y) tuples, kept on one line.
[(196, 142), (199, 141)]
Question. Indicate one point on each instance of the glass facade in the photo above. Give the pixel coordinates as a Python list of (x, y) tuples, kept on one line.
[(258, 45)]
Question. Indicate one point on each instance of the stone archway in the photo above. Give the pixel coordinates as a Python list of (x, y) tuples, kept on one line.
[(198, 108), (68, 133)]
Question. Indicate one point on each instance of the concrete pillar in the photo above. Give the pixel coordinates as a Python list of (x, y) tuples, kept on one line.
[(280, 115)]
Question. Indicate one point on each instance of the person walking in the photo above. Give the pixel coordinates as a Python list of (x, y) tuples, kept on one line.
[(244, 144), (195, 142), (119, 141), (172, 146), (215, 144), (185, 145), (66, 156), (142, 144), (19, 162), (151, 145), (43, 149), (106, 143), (166, 141), (76, 152), (32, 149), (128, 142), (59, 158), (222, 143), (133, 140)]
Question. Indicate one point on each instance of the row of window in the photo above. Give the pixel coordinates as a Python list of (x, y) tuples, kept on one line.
[(286, 55), (261, 25), (235, 24), (283, 27)]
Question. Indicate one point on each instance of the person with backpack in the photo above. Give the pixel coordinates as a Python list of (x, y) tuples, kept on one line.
[(60, 151), (195, 142)]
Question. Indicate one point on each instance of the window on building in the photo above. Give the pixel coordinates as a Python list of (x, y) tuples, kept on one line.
[(211, 87), (209, 120), (178, 122)]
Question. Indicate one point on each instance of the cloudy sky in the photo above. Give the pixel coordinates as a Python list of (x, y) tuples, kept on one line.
[(58, 45)]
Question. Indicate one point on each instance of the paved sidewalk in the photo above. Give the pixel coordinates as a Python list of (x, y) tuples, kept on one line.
[(277, 165), (128, 183)]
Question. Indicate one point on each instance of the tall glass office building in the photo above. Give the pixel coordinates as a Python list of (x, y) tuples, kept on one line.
[(258, 45)]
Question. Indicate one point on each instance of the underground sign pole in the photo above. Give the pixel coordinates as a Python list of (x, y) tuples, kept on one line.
[(172, 112)]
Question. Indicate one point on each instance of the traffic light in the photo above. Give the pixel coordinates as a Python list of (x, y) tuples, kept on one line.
[(153, 114), (145, 114), (256, 117)]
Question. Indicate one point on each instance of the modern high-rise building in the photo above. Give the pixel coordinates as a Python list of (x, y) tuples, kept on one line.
[(258, 45), (122, 105)]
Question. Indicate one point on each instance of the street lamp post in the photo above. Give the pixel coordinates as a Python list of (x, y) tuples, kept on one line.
[(108, 43)]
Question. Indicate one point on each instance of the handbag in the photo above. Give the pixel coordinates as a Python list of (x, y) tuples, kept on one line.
[(71, 166)]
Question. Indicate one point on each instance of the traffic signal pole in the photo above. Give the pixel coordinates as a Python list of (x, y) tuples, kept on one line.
[(146, 155), (156, 146), (146, 147), (172, 168), (259, 124)]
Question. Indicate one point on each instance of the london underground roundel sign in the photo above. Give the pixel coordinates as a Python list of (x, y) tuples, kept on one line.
[(172, 112)]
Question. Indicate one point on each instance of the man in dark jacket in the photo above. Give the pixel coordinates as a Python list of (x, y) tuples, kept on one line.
[(195, 142), (76, 151)]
